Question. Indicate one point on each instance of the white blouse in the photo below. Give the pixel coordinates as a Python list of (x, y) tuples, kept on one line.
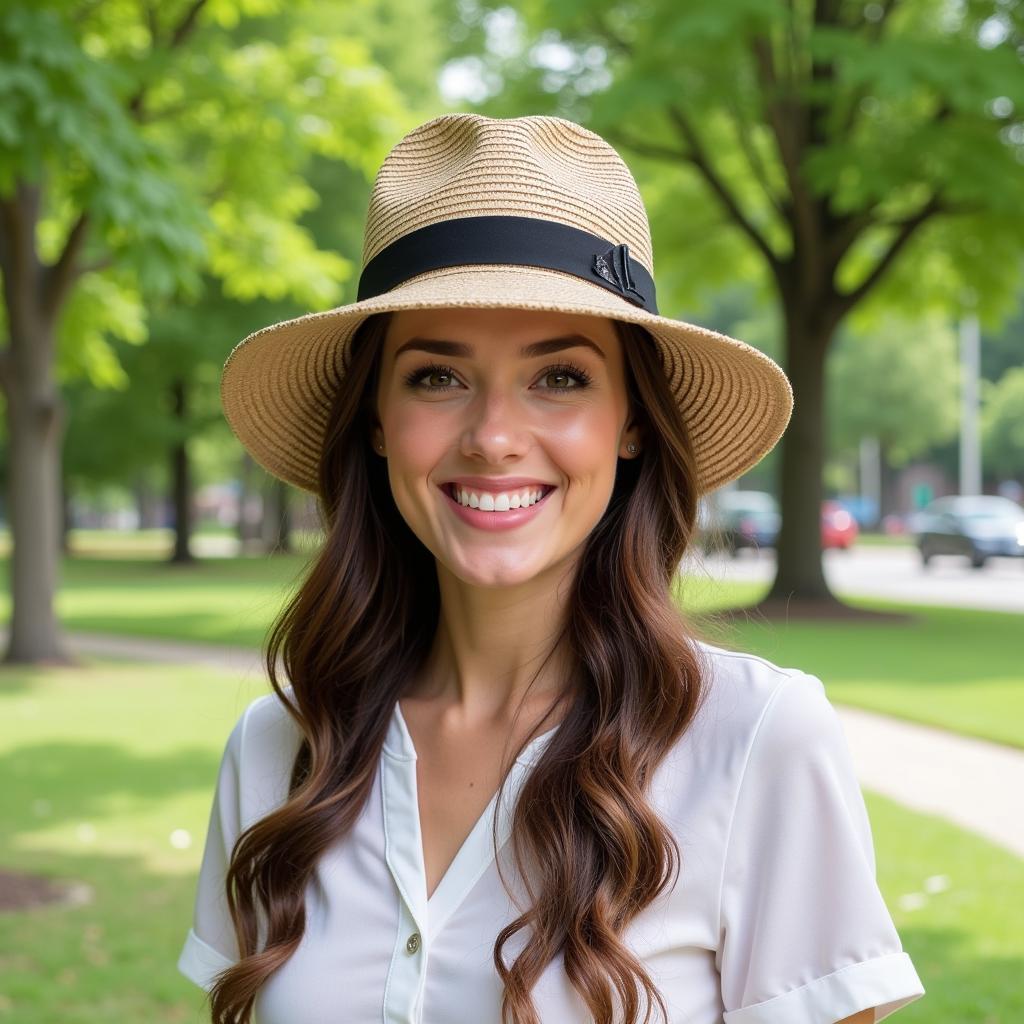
[(776, 916)]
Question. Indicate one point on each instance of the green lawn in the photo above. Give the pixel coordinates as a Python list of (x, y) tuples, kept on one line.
[(109, 773), (953, 668)]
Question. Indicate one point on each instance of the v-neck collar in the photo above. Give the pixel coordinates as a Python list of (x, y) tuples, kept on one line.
[(403, 836)]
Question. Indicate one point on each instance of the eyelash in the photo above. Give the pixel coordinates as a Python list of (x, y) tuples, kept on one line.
[(584, 379)]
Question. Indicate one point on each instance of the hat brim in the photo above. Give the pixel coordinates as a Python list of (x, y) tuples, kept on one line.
[(278, 383)]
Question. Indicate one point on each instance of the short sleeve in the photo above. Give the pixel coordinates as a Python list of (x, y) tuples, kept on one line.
[(805, 935), (210, 946)]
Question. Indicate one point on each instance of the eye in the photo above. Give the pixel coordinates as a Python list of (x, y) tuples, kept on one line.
[(565, 371), (412, 379), (571, 371)]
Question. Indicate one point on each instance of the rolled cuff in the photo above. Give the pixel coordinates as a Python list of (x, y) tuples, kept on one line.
[(887, 983), (200, 962)]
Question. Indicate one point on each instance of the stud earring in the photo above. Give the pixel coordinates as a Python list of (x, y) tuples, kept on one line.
[(631, 448)]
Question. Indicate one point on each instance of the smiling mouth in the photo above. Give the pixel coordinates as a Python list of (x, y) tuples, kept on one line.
[(452, 491)]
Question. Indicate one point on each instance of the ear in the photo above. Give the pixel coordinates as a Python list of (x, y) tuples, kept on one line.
[(635, 432)]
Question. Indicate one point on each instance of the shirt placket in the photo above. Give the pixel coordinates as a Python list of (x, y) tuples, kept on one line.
[(420, 920), (403, 850)]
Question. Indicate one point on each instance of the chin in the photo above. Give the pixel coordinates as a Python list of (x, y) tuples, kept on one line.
[(496, 575)]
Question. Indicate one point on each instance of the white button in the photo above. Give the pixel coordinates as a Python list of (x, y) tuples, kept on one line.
[(413, 942)]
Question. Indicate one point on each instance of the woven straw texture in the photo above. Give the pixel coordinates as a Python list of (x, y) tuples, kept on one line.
[(278, 383)]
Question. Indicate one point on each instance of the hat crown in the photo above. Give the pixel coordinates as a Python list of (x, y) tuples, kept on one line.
[(469, 165)]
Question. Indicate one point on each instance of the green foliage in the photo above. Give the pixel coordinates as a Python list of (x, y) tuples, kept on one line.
[(185, 145), (882, 108), (223, 166), (1003, 424), (65, 124), (899, 383)]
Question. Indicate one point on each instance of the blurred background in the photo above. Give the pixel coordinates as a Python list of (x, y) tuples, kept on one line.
[(840, 183)]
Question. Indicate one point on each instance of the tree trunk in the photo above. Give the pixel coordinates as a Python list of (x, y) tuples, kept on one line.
[(247, 525), (180, 481), (888, 500), (66, 518), (799, 569), (276, 518), (35, 428), (147, 505)]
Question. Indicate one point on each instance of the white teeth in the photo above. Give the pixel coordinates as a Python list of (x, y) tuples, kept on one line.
[(487, 502)]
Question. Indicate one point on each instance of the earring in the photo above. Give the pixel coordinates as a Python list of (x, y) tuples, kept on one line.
[(631, 448)]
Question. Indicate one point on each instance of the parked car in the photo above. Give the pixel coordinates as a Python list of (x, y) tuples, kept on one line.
[(838, 528), (732, 520), (976, 526), (739, 519)]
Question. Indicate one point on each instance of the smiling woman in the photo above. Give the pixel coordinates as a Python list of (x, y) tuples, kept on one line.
[(507, 402), (506, 782)]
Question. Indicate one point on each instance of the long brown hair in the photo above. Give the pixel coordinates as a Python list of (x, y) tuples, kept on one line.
[(590, 847)]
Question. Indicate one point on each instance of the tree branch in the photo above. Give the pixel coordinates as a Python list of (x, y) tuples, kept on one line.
[(782, 116), (644, 147), (187, 24), (848, 228), (176, 38), (753, 157), (58, 277), (699, 158), (873, 30), (6, 372), (905, 229), (100, 264)]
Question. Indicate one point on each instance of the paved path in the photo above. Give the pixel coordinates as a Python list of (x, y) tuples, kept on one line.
[(892, 573), (970, 782), (973, 783)]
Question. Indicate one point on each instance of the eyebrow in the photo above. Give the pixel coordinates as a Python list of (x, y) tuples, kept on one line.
[(440, 347)]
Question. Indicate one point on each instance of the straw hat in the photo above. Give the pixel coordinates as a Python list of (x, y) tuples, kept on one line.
[(526, 213)]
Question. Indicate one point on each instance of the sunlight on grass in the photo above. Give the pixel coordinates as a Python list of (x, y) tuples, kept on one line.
[(109, 776)]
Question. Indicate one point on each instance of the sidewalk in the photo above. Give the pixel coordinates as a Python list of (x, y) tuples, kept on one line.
[(973, 783)]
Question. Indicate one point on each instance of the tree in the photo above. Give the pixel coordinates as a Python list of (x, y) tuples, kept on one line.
[(898, 383), (846, 156), (1003, 425), (142, 144)]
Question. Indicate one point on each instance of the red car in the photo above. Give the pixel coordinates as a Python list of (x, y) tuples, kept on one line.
[(838, 527)]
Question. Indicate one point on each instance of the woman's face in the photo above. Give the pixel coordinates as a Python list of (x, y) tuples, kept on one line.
[(502, 402)]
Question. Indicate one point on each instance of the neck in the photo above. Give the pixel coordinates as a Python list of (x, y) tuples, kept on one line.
[(497, 648)]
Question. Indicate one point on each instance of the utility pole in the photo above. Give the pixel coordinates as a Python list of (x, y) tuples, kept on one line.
[(970, 434), (871, 474)]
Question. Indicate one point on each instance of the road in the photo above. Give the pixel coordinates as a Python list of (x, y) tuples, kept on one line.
[(892, 573)]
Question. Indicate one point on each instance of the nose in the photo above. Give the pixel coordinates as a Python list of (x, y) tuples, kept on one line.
[(496, 428)]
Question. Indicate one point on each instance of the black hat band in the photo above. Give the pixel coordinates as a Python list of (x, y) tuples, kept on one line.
[(521, 241)]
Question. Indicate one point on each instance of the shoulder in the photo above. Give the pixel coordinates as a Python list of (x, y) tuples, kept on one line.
[(756, 717), (264, 742), (744, 692)]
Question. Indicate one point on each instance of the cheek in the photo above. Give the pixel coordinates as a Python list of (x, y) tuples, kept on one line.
[(416, 438), (586, 446)]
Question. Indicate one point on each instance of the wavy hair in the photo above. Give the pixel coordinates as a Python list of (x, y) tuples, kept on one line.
[(591, 849)]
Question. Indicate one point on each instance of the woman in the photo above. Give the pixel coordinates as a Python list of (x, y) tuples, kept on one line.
[(506, 780)]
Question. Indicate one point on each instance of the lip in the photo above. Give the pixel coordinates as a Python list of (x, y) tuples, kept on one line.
[(496, 520), (496, 484)]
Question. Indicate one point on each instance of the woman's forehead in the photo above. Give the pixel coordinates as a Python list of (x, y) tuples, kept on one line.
[(497, 329)]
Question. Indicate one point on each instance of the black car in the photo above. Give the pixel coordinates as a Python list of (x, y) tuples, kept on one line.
[(976, 526), (739, 519)]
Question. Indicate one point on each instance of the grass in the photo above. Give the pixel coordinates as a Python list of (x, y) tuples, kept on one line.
[(109, 773), (953, 668)]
